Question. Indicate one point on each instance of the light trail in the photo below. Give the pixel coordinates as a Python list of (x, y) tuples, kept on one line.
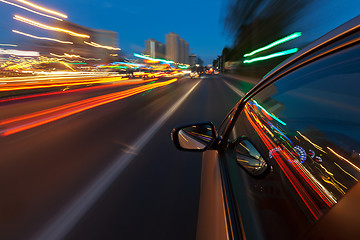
[(51, 84), (8, 45), (43, 26), (43, 9), (41, 38), (19, 124), (94, 44), (346, 160), (27, 9), (153, 59), (75, 90), (278, 54), (271, 45)]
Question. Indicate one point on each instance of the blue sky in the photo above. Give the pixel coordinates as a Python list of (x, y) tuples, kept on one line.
[(198, 22)]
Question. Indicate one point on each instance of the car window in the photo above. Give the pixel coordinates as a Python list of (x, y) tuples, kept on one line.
[(307, 126)]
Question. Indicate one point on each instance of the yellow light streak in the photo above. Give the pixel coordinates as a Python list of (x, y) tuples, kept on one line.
[(43, 26), (42, 38), (101, 46), (346, 172), (43, 9), (315, 145), (67, 65), (27, 9), (341, 157), (66, 55)]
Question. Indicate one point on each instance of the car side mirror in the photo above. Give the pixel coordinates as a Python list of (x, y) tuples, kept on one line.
[(196, 137), (250, 158)]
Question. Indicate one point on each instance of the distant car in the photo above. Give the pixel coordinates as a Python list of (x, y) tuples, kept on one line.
[(194, 75), (285, 162)]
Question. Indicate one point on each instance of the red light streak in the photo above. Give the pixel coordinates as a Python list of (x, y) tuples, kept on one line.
[(308, 201), (77, 90), (74, 83), (63, 111)]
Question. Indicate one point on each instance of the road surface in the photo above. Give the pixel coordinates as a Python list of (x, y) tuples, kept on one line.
[(100, 164)]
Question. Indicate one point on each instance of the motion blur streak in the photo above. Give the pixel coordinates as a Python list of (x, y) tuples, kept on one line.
[(27, 9), (42, 8), (67, 84), (74, 90), (101, 46), (308, 201), (63, 111), (43, 26), (280, 41), (68, 218), (278, 54), (341, 157), (41, 38)]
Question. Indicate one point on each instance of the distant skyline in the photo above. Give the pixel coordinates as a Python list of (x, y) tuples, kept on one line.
[(198, 22)]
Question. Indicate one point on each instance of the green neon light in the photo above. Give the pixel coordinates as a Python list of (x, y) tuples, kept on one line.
[(183, 67), (280, 41), (283, 123), (278, 54), (152, 59), (77, 63)]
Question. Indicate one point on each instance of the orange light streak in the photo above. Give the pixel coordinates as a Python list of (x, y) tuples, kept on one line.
[(63, 111), (27, 9), (41, 38), (341, 157), (43, 26), (50, 85), (78, 90), (94, 44), (42, 8)]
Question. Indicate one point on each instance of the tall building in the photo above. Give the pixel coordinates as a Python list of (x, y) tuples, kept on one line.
[(181, 50), (155, 48), (192, 59), (172, 47), (101, 45), (186, 53)]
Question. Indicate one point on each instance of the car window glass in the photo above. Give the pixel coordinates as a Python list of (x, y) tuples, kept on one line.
[(307, 125)]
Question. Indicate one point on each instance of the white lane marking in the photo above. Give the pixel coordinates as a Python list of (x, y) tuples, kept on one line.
[(69, 217), (237, 91)]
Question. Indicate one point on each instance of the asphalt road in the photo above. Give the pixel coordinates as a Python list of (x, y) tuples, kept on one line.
[(110, 172)]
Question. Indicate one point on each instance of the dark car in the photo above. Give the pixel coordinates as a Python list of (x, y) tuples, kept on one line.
[(285, 162)]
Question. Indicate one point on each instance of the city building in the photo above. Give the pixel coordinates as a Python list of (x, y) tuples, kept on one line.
[(192, 59), (175, 49), (172, 47), (186, 53), (89, 45), (155, 49)]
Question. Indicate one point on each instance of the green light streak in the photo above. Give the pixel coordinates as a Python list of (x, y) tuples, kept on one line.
[(183, 67), (271, 115), (152, 59), (280, 41), (278, 54)]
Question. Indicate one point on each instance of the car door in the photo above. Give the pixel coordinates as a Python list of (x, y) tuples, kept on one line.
[(305, 123)]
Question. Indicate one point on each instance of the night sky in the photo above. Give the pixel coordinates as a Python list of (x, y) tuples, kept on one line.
[(198, 22)]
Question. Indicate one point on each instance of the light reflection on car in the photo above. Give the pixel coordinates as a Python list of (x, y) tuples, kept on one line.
[(288, 153)]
